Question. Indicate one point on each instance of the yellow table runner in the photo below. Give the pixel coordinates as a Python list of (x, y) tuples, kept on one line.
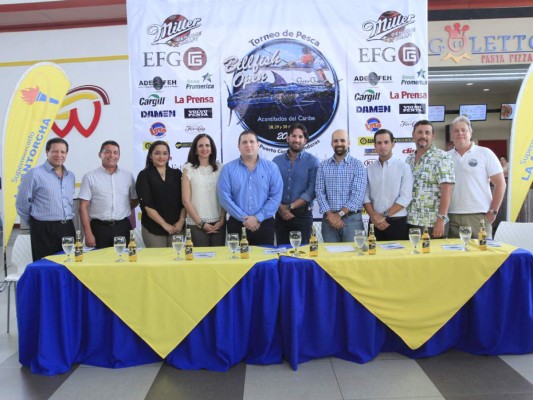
[(160, 299), (414, 295)]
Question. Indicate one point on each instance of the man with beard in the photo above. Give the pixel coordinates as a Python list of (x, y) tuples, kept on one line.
[(298, 171), (434, 177), (389, 190), (340, 191)]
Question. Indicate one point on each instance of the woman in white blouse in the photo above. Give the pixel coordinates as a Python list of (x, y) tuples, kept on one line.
[(205, 217)]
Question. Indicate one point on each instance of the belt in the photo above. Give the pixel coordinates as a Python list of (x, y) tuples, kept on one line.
[(110, 222), (63, 221)]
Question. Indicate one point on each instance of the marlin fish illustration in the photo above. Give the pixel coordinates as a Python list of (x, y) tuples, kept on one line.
[(280, 96)]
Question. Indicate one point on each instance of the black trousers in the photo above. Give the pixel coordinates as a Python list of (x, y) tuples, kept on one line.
[(105, 231), (302, 221), (46, 236), (264, 235), (397, 230)]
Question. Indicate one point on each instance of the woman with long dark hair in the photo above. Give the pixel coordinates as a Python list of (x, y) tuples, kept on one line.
[(159, 191), (205, 216)]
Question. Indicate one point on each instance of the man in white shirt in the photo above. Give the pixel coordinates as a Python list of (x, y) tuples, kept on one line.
[(389, 190), (107, 196), (476, 168)]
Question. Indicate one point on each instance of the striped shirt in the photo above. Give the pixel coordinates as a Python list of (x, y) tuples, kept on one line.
[(45, 196), (340, 184)]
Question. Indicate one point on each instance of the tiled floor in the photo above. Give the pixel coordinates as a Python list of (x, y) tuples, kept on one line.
[(453, 375)]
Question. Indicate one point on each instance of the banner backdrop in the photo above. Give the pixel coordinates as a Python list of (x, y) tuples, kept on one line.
[(521, 155), (33, 107), (200, 66)]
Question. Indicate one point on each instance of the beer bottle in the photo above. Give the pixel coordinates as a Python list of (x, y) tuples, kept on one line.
[(78, 248), (132, 248), (482, 236), (245, 249), (313, 243), (371, 241), (189, 248), (426, 244)]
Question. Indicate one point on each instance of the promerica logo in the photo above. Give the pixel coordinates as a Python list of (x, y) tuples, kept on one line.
[(390, 26), (174, 31)]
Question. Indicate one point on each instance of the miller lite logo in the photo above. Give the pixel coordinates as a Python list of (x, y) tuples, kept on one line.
[(457, 42), (174, 31), (390, 27)]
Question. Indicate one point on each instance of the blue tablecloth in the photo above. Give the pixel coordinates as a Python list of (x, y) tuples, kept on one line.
[(320, 319), (282, 308), (62, 323)]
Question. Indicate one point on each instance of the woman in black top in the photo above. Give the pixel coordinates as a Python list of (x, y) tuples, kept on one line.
[(159, 191)]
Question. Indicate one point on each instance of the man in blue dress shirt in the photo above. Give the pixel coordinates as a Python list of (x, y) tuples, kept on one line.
[(340, 191), (45, 201), (249, 189), (298, 171)]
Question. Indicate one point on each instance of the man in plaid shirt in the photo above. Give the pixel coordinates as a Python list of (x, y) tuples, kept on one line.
[(434, 177), (340, 191)]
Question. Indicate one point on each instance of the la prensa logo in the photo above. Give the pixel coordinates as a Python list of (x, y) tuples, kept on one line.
[(85, 99), (175, 31), (457, 42)]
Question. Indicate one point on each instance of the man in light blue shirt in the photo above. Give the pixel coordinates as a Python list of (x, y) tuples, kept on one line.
[(298, 171), (389, 190), (45, 201), (249, 189), (340, 191)]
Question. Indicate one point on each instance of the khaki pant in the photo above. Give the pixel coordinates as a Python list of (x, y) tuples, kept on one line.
[(472, 220)]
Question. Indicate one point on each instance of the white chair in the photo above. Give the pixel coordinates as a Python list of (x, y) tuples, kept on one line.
[(137, 233), (516, 233), (20, 258)]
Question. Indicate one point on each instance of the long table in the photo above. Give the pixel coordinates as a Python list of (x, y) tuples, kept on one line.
[(290, 308)]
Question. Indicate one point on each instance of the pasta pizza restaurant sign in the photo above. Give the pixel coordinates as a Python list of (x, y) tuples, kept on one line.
[(480, 42)]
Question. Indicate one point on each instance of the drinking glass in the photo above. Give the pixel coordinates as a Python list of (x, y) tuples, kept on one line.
[(414, 238), (177, 244), (67, 243), (295, 237), (120, 245), (359, 239), (233, 244), (465, 233)]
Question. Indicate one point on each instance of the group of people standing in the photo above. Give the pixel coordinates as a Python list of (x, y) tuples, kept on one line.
[(435, 189)]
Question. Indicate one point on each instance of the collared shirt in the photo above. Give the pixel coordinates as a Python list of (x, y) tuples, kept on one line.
[(389, 183), (341, 184), (435, 167), (243, 193), (473, 169), (109, 194), (299, 177), (45, 196)]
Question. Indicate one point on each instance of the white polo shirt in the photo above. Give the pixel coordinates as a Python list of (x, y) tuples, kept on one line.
[(471, 193)]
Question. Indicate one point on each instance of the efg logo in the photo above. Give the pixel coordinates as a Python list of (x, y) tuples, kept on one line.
[(158, 129), (195, 58), (198, 113), (372, 125), (412, 108), (409, 54)]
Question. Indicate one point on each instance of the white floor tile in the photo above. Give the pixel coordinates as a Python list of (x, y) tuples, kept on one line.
[(89, 383), (523, 364), (383, 379), (313, 380)]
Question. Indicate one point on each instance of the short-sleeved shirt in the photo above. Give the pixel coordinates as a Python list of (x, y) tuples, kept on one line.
[(473, 169), (109, 194), (434, 168), (204, 192)]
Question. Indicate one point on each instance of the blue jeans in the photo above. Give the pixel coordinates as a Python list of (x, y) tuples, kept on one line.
[(345, 234)]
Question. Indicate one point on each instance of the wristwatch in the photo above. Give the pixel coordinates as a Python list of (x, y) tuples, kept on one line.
[(290, 207), (341, 213), (444, 217), (386, 213), (493, 212)]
